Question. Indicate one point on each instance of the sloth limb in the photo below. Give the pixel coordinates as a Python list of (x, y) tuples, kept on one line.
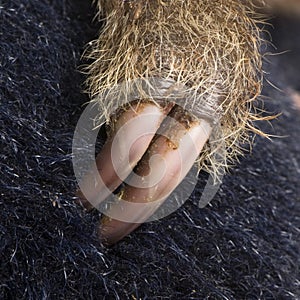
[(209, 51)]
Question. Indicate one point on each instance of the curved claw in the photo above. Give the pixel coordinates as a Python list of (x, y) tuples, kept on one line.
[(177, 155), (122, 151)]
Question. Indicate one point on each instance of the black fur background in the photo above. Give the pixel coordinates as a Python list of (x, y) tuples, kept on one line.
[(245, 245)]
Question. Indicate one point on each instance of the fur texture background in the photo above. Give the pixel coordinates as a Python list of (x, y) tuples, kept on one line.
[(245, 245)]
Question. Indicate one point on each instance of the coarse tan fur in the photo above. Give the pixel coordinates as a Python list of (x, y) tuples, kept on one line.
[(211, 47)]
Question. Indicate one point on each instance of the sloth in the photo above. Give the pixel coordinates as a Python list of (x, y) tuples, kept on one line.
[(193, 70)]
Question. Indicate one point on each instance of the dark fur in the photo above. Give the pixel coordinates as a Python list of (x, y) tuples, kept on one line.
[(244, 246)]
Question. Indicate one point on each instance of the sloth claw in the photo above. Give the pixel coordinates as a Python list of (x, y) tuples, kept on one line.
[(161, 145), (177, 156)]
